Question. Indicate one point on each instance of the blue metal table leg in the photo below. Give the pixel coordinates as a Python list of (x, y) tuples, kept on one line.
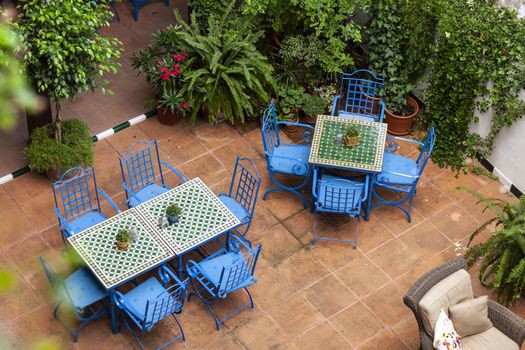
[(113, 314), (180, 269), (369, 197)]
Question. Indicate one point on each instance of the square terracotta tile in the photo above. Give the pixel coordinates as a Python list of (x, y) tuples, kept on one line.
[(27, 187), (40, 211), (272, 288), (406, 280), (228, 153), (329, 296), (282, 204), (385, 340), (6, 203), (387, 303), (302, 225), (362, 276), (207, 168), (302, 269), (261, 333), (408, 331), (371, 234), (394, 219), (334, 255), (324, 336), (214, 136), (429, 199), (107, 168), (448, 184), (357, 323), (223, 341), (16, 226), (124, 139), (278, 243), (180, 148), (425, 240), (454, 222), (295, 315), (394, 257)]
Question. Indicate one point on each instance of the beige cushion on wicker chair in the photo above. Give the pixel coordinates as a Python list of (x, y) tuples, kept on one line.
[(450, 291), (471, 316), (491, 339)]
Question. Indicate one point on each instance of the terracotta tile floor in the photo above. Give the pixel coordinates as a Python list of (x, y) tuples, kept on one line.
[(307, 297)]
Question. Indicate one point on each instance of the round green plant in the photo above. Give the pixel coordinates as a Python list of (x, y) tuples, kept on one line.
[(173, 210), (313, 105), (124, 236), (352, 131)]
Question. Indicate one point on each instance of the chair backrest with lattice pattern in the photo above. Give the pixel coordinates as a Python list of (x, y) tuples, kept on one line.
[(241, 269), (358, 92), (245, 184), (270, 129), (140, 164)]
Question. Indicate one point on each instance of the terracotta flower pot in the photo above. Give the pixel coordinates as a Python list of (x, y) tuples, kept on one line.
[(310, 120), (351, 141), (54, 174), (166, 117), (122, 245), (293, 119), (400, 125), (376, 106)]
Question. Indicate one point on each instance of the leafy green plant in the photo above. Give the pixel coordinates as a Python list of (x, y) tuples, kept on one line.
[(63, 53), (174, 210), (327, 94), (478, 65), (484, 172), (228, 75), (124, 236), (352, 131), (313, 105), (503, 254), (291, 99), (46, 152)]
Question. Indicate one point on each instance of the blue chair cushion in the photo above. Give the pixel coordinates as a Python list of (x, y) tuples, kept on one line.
[(291, 166), (235, 207), (326, 203), (394, 163), (84, 289), (138, 298), (357, 116), (86, 221), (213, 267), (146, 193)]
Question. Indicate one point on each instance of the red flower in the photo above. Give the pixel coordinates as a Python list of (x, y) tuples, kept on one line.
[(184, 105), (178, 57), (136, 58), (165, 76), (163, 69), (176, 65), (184, 53)]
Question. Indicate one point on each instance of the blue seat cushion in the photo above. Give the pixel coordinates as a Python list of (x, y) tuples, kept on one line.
[(235, 207), (138, 297), (146, 193), (328, 200), (395, 164), (298, 165), (213, 267), (86, 221), (357, 116), (84, 289)]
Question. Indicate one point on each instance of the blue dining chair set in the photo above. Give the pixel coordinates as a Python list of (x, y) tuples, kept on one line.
[(401, 174), (150, 302), (81, 293), (283, 158), (358, 96), (337, 195), (77, 203)]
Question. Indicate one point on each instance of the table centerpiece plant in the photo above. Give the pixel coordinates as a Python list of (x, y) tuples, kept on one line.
[(124, 237), (351, 136), (173, 212)]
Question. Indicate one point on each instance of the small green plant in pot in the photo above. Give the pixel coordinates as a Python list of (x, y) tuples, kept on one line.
[(124, 238), (173, 212), (351, 136), (313, 105)]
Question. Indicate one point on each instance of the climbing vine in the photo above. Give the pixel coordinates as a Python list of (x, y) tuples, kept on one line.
[(478, 66)]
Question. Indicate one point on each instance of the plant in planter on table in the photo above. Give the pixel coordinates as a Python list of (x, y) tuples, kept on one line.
[(173, 213), (124, 237), (163, 62), (351, 136), (64, 56), (401, 37)]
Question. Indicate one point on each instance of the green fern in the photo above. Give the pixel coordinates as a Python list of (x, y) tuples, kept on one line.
[(503, 254)]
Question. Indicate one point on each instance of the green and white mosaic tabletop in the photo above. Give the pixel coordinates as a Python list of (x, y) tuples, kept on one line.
[(97, 246), (204, 216), (367, 156)]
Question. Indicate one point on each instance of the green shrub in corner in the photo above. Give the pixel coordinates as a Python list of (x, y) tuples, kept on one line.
[(46, 152)]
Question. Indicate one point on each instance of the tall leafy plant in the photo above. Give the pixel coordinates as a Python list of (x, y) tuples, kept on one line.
[(64, 54), (228, 74), (503, 254)]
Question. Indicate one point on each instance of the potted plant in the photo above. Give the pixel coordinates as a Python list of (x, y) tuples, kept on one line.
[(351, 136), (123, 238), (312, 106), (401, 35), (173, 213), (63, 59), (163, 62), (290, 101)]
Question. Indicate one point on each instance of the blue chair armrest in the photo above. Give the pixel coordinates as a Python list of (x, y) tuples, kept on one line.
[(308, 126), (63, 222), (334, 105), (241, 242), (190, 266), (120, 301), (381, 111), (391, 147), (413, 177), (166, 275), (175, 171), (117, 209), (131, 193)]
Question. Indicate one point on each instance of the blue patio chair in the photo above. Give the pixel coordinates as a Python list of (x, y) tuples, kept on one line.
[(81, 292), (337, 195), (138, 3), (222, 273), (151, 302), (244, 189), (357, 96), (285, 158), (77, 203), (139, 166), (401, 174)]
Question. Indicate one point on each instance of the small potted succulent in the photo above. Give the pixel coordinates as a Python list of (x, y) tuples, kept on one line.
[(351, 136), (173, 213), (124, 238)]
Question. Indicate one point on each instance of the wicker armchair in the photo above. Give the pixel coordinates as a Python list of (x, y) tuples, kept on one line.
[(503, 319)]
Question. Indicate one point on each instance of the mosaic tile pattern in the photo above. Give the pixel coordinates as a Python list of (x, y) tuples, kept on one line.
[(204, 216), (368, 155)]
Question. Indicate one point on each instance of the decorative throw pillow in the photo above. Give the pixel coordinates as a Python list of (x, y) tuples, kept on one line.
[(471, 316), (445, 336)]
